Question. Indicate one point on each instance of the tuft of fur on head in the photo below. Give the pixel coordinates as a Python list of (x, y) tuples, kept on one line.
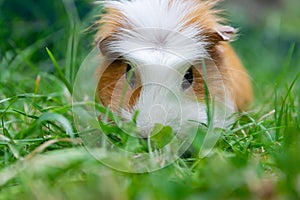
[(161, 40), (195, 19)]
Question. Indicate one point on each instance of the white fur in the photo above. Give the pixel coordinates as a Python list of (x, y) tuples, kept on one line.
[(161, 48), (156, 25)]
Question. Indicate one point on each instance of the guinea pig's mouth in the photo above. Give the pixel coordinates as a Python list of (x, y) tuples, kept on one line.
[(152, 121)]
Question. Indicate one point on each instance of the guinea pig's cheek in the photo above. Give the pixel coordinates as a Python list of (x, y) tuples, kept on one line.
[(134, 96), (124, 97), (197, 88), (111, 82), (114, 90)]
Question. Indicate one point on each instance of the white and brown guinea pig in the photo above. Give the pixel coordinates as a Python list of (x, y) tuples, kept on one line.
[(159, 58)]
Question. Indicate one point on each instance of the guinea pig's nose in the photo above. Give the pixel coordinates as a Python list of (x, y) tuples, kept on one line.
[(156, 110), (156, 114)]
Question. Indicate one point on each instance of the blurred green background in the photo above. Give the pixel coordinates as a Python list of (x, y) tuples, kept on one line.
[(256, 167), (28, 27)]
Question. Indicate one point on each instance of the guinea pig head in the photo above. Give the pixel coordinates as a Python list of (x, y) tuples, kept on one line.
[(164, 59)]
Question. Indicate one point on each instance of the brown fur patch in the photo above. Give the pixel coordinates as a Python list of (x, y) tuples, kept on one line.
[(108, 24), (203, 15), (208, 72), (113, 88), (236, 76), (224, 72)]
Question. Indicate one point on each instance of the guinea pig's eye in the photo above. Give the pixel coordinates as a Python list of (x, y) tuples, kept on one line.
[(188, 79), (130, 76)]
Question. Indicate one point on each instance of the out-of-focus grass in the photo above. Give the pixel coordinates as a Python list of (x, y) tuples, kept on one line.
[(41, 156)]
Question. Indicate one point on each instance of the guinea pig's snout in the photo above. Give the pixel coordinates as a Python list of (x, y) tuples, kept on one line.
[(156, 114), (156, 110), (157, 104)]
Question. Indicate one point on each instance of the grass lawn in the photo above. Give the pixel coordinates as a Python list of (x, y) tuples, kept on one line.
[(42, 156)]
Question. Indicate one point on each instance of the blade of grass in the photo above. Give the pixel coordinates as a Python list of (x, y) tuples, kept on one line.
[(59, 118), (281, 112), (59, 71), (75, 26)]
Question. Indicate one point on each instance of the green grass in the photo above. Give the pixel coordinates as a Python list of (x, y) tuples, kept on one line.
[(43, 157)]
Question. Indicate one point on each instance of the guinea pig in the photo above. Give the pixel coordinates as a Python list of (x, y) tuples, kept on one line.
[(165, 59)]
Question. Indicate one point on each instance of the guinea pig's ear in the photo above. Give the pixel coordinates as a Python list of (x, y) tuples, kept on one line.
[(226, 33), (221, 33)]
